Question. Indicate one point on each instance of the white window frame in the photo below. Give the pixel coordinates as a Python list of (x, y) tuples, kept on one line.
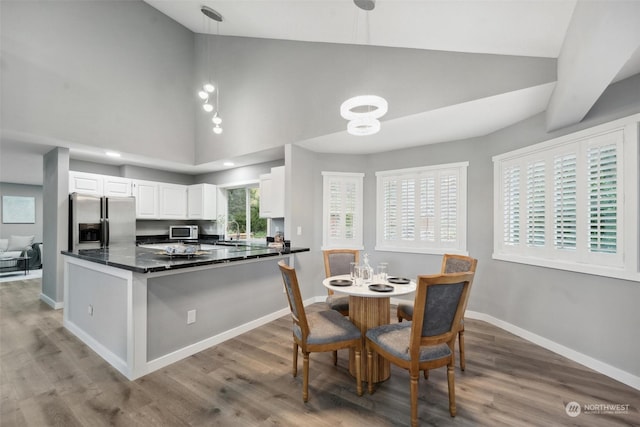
[(437, 246), (223, 210), (343, 179), (622, 264)]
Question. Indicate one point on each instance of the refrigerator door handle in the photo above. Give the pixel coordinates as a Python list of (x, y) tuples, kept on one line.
[(105, 232)]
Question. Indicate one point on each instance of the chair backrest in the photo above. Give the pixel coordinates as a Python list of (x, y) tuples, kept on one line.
[(438, 308), (458, 263), (452, 263), (336, 261), (294, 297)]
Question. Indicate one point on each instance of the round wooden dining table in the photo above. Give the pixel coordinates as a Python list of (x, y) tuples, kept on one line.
[(368, 309)]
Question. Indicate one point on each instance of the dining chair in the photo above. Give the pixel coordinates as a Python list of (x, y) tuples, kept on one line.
[(450, 264), (319, 331), (337, 262), (428, 342)]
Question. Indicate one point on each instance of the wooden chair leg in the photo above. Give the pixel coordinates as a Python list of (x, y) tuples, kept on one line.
[(358, 372), (294, 370), (461, 342), (399, 319), (305, 379), (370, 370), (452, 389), (426, 374), (414, 398), (335, 358)]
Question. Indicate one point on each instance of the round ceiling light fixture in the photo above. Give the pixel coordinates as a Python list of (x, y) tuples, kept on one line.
[(364, 106), (363, 126)]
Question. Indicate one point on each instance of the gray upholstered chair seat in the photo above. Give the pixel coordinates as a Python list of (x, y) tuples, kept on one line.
[(394, 338), (338, 302), (328, 326)]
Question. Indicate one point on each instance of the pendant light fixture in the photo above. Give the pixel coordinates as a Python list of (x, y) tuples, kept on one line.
[(208, 88), (363, 111)]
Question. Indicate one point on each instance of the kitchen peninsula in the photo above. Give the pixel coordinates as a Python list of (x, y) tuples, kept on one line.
[(141, 309)]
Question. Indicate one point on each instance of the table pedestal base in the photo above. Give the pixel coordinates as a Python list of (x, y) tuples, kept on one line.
[(367, 313)]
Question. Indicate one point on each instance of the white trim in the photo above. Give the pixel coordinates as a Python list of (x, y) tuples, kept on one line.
[(161, 362), (411, 171), (51, 303), (415, 174), (572, 137), (343, 178), (581, 358), (624, 264)]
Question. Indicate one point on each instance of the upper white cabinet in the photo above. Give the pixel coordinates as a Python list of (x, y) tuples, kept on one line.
[(146, 194), (114, 186), (272, 193), (201, 201), (266, 184), (86, 183), (173, 201), (99, 185)]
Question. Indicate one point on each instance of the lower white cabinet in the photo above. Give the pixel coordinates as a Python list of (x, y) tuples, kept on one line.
[(201, 201)]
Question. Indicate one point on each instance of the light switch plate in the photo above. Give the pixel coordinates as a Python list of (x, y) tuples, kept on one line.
[(191, 317)]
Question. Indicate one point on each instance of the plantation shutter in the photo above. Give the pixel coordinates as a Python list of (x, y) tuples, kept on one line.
[(420, 208), (565, 201), (603, 197), (511, 212), (536, 203), (342, 200)]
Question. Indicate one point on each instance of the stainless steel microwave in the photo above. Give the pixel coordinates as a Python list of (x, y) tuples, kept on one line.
[(184, 232)]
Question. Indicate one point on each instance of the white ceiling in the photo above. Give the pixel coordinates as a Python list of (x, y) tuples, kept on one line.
[(535, 28), (526, 28)]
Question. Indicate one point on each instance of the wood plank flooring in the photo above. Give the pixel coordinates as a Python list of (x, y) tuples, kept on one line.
[(49, 378)]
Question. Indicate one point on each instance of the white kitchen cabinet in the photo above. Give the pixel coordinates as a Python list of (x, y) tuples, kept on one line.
[(114, 186), (146, 194), (173, 201), (277, 192), (272, 193), (86, 183), (99, 185), (266, 184), (201, 201)]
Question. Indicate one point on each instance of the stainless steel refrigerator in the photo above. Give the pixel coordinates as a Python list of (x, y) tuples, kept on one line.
[(96, 222)]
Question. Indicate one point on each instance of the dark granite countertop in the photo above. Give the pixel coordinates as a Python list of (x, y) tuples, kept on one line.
[(146, 260)]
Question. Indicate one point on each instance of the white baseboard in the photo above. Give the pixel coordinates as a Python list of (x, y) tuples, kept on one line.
[(588, 361), (51, 303), (168, 359)]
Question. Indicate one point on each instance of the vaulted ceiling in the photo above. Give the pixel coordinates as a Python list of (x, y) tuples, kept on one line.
[(485, 65)]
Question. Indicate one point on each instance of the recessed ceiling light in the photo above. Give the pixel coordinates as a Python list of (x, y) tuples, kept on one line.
[(112, 154), (228, 163)]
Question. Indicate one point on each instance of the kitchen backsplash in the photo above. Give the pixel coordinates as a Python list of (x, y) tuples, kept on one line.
[(161, 227)]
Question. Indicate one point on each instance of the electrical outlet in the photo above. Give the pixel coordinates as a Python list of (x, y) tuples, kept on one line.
[(90, 310), (299, 230), (191, 317)]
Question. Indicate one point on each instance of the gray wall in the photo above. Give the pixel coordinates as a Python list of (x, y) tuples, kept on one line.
[(239, 174), (115, 74), (56, 227), (277, 92), (7, 230), (593, 315)]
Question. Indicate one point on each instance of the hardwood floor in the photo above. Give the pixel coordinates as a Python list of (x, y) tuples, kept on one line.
[(48, 377)]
